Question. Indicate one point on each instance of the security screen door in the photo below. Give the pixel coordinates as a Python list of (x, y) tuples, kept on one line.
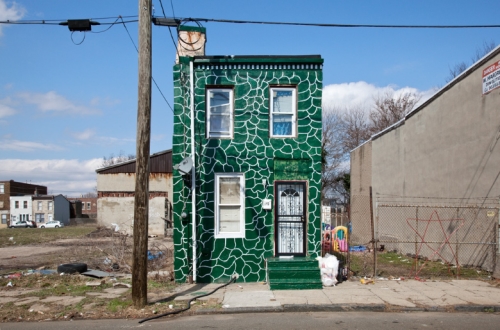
[(290, 215)]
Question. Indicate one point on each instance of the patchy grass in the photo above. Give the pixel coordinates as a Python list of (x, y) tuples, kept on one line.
[(28, 236), (398, 265), (118, 304)]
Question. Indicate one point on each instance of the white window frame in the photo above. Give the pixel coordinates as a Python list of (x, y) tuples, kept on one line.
[(16, 204), (50, 205), (219, 135), (241, 232), (272, 111), (4, 218), (2, 188), (40, 205)]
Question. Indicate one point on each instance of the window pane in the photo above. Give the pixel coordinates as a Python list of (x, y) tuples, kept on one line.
[(282, 101), (229, 191), (229, 219), (219, 101), (220, 123), (282, 125)]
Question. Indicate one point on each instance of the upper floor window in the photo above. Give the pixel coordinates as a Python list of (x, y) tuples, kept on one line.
[(50, 206), (88, 205), (220, 113), (16, 204), (229, 205), (39, 205), (2, 188), (25, 204), (283, 112)]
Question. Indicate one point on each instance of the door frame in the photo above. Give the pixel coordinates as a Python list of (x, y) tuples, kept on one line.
[(304, 212)]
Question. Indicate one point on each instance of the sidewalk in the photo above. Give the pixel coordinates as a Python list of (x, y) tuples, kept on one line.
[(408, 295)]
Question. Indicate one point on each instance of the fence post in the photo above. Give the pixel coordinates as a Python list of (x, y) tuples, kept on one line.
[(374, 242), (416, 242), (457, 247)]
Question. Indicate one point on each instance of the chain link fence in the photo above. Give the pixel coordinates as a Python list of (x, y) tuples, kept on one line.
[(424, 238), (426, 241)]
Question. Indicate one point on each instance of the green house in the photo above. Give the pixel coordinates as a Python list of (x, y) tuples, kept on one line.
[(247, 144)]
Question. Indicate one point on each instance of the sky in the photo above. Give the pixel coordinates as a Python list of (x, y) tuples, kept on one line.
[(68, 100)]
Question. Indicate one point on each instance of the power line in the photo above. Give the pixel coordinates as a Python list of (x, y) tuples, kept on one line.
[(232, 21), (341, 25), (137, 49)]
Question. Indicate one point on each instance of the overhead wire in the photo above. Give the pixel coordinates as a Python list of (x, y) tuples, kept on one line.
[(152, 78), (218, 20)]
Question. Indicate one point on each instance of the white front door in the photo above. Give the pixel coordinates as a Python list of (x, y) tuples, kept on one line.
[(50, 217)]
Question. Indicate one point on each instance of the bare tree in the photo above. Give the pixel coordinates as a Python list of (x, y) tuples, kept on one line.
[(111, 160), (343, 130), (481, 51), (356, 128), (332, 149), (458, 68), (390, 109)]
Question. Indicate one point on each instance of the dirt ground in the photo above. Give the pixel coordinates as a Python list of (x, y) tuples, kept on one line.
[(101, 250), (28, 295)]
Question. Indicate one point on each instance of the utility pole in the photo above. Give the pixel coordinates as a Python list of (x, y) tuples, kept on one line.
[(141, 198)]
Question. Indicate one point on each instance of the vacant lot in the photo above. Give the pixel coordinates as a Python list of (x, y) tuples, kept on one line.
[(100, 248)]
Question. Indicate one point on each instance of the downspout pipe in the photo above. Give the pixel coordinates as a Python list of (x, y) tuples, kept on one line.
[(193, 170)]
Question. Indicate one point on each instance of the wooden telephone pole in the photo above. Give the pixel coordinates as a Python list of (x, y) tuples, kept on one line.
[(141, 199)]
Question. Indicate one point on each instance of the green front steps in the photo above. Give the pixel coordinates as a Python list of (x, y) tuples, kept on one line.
[(298, 273)]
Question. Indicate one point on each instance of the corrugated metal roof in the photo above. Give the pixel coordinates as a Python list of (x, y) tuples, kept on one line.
[(160, 162)]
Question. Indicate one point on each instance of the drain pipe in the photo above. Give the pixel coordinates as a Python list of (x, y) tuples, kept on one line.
[(193, 170)]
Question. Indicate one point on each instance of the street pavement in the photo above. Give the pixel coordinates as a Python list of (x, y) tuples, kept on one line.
[(382, 295)]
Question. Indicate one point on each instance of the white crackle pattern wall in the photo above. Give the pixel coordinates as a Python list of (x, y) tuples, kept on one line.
[(251, 151)]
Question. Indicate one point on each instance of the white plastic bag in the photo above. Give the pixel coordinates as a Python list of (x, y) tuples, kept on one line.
[(329, 267)]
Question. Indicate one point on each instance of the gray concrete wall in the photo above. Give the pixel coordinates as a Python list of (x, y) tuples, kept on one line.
[(449, 149), (361, 178), (115, 203), (125, 182), (447, 153), (120, 210)]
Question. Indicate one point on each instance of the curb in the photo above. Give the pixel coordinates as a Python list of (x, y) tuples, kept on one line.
[(287, 308)]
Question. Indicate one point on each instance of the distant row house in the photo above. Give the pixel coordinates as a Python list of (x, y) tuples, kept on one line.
[(13, 188), (40, 208)]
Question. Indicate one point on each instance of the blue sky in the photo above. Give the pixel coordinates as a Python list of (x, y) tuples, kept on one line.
[(64, 106)]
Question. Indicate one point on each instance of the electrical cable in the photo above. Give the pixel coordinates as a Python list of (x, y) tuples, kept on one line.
[(154, 81), (233, 279), (335, 25), (341, 25), (108, 27), (81, 42)]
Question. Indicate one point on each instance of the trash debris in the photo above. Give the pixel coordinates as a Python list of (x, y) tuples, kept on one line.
[(152, 256), (11, 238), (329, 266), (225, 306), (171, 306), (107, 261), (95, 283), (115, 227), (121, 285), (367, 281), (96, 273), (10, 284), (15, 275)]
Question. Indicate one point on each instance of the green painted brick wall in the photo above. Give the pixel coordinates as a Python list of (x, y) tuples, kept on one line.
[(252, 152)]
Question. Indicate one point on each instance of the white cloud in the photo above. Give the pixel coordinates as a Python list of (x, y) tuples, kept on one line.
[(5, 110), (12, 13), (362, 94), (85, 135), (53, 102), (26, 146), (69, 177)]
